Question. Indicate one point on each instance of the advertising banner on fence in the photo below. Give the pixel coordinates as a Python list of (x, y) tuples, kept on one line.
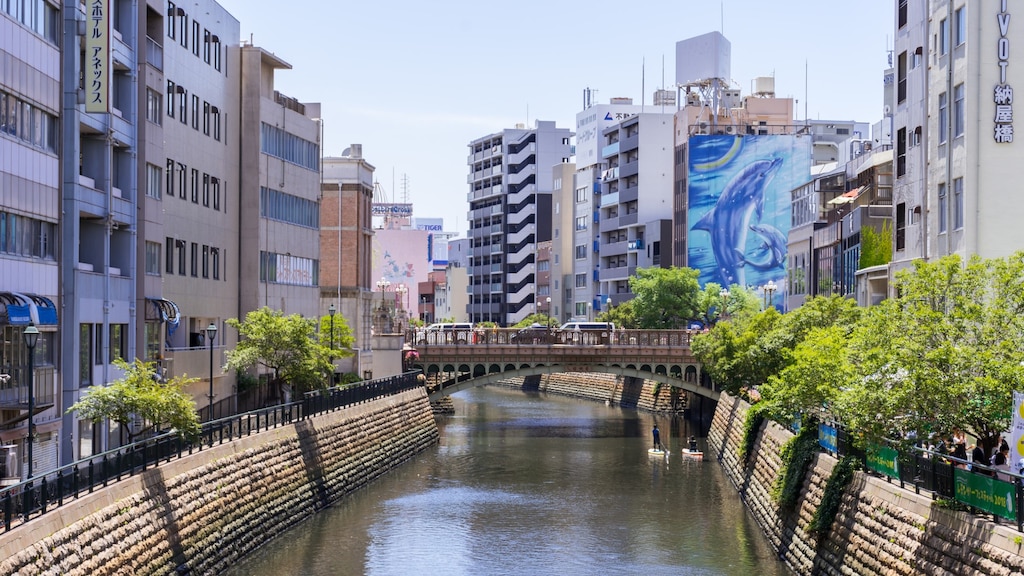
[(884, 461), (828, 438), (985, 493), (1016, 436)]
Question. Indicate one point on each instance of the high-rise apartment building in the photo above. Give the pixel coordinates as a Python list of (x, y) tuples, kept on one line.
[(510, 176), (30, 216)]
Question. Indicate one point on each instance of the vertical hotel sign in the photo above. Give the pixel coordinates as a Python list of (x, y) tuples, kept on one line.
[(1003, 93), (97, 56)]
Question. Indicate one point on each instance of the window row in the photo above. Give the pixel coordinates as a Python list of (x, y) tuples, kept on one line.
[(206, 43), (958, 113), (36, 15), (24, 236), (289, 147), (277, 205), (186, 182), (205, 262), (27, 122), (91, 347), (178, 104), (958, 206)]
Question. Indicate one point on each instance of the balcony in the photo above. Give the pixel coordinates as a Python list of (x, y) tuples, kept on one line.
[(194, 361), (635, 245), (154, 54)]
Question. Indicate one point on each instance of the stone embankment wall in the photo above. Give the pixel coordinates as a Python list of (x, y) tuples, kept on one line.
[(880, 528), (202, 513), (617, 390)]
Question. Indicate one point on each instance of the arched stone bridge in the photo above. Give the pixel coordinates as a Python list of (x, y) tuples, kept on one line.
[(462, 359)]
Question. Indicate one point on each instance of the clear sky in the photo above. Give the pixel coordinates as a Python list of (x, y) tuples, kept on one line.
[(414, 82)]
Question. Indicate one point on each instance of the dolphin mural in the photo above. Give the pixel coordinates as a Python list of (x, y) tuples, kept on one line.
[(729, 220), (774, 245)]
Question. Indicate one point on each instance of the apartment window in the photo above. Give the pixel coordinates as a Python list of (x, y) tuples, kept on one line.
[(195, 112), (958, 203), (195, 37), (901, 152), (959, 26), (182, 105), (901, 82), (169, 256), (581, 223), (581, 280), (581, 195), (915, 138), (153, 258), (118, 342), (206, 118), (180, 248), (215, 262), (85, 353), (170, 98), (154, 106), (184, 28), (216, 123), (943, 117), (215, 185), (154, 180), (195, 260), (917, 58), (170, 176), (943, 36), (943, 208), (958, 110), (901, 16), (206, 45), (206, 190), (206, 261), (195, 186), (581, 251), (181, 181), (901, 226), (216, 53), (171, 20)]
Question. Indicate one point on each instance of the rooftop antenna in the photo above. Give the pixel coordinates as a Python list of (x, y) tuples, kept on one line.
[(643, 78), (722, 6)]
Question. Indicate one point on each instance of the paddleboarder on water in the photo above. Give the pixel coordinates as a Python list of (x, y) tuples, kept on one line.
[(657, 438)]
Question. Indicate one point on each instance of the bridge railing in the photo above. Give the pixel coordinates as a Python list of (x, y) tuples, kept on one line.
[(43, 493), (552, 337)]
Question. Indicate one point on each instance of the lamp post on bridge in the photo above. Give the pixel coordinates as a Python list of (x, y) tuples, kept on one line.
[(330, 312), (31, 336), (769, 291), (211, 335), (725, 304)]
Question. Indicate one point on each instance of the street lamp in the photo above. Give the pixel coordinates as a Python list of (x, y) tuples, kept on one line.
[(211, 335), (31, 336), (401, 290), (330, 311), (725, 302), (769, 291)]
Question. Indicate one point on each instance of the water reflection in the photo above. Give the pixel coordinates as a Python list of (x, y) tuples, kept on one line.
[(534, 484)]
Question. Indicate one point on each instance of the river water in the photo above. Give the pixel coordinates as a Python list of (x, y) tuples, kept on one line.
[(534, 484)]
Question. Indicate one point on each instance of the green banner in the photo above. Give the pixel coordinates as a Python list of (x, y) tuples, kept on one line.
[(985, 493), (884, 461)]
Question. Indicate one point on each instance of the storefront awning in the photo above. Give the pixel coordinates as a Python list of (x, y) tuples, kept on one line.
[(18, 309), (164, 311)]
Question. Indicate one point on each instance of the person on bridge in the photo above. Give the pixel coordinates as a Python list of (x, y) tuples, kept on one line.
[(657, 438)]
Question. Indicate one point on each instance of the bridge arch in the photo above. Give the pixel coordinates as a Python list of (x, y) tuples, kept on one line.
[(482, 375)]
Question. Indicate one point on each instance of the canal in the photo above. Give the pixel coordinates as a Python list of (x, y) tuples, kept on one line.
[(534, 484)]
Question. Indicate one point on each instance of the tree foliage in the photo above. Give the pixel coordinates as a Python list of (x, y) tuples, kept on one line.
[(622, 315), (876, 247), (537, 318), (138, 395), (289, 347), (664, 298)]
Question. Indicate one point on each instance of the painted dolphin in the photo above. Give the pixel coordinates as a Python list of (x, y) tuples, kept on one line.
[(774, 245), (729, 219)]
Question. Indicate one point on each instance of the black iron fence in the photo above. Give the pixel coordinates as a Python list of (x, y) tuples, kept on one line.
[(45, 492), (975, 486)]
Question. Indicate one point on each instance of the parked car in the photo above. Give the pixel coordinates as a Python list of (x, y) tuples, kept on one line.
[(446, 333), (533, 334)]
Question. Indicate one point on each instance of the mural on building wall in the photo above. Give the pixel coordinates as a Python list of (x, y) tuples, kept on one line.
[(739, 206), (402, 257)]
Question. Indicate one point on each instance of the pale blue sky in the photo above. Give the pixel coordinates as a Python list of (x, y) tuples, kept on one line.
[(414, 82)]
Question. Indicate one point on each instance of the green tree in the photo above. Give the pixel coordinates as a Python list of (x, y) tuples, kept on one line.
[(945, 354), (622, 315), (139, 395), (664, 298), (288, 346), (537, 318), (876, 247)]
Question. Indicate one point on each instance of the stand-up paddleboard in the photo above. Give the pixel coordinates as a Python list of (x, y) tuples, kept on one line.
[(656, 452), (693, 454)]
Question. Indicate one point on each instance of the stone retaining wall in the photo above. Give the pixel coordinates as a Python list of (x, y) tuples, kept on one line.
[(202, 513), (618, 390), (880, 528)]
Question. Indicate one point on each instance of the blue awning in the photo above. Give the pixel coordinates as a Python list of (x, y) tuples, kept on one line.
[(166, 311), (19, 309)]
